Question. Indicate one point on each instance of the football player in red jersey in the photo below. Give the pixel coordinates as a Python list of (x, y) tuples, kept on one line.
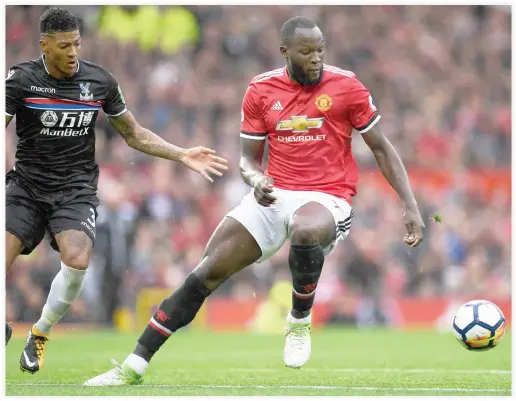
[(307, 111)]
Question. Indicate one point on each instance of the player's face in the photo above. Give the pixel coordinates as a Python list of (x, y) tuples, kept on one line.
[(305, 55), (62, 51)]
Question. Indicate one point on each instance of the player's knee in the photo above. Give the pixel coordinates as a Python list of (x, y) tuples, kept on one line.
[(304, 234), (311, 225), (75, 248), (212, 273), (212, 278), (76, 258)]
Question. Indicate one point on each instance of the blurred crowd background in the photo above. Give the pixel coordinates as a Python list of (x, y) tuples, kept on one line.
[(440, 76)]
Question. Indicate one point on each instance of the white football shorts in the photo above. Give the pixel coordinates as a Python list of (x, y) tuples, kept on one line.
[(270, 225)]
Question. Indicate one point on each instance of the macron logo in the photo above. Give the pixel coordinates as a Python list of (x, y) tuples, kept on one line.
[(43, 90), (277, 106)]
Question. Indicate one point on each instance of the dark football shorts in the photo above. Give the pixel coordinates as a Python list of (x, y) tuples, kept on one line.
[(31, 213)]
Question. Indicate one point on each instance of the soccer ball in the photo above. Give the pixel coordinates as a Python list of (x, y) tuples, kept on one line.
[(479, 325)]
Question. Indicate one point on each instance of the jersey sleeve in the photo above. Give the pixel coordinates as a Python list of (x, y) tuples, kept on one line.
[(13, 92), (253, 124), (114, 104), (362, 110)]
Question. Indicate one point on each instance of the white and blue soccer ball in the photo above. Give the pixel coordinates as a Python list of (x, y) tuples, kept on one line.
[(479, 325)]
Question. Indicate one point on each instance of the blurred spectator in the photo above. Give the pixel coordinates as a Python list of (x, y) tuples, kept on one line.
[(115, 236)]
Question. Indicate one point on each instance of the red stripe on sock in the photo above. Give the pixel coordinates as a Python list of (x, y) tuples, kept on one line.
[(159, 330)]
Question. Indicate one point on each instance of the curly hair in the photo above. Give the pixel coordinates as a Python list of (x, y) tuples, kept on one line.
[(57, 20)]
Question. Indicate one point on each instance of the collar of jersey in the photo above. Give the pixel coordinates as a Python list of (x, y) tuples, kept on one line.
[(46, 69)]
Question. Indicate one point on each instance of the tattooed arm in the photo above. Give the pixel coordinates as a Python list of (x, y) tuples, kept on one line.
[(143, 139), (199, 159)]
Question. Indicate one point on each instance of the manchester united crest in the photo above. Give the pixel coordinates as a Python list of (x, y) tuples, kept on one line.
[(323, 102)]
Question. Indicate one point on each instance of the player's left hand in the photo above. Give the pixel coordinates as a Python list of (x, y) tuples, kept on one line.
[(204, 161), (414, 225)]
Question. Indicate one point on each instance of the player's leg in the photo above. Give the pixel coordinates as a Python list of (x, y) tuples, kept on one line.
[(74, 241), (312, 229), (25, 227), (230, 249), (75, 248), (13, 247)]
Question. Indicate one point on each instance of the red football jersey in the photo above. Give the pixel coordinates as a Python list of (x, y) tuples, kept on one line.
[(309, 128)]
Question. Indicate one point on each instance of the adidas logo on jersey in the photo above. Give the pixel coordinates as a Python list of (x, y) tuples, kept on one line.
[(277, 106)]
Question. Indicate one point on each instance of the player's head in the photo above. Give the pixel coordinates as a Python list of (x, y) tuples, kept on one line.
[(60, 40), (302, 45)]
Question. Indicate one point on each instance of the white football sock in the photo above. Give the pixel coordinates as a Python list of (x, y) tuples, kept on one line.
[(65, 289), (136, 363)]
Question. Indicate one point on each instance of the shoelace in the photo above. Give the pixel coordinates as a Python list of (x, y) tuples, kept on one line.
[(122, 374), (40, 345), (298, 333), (120, 371)]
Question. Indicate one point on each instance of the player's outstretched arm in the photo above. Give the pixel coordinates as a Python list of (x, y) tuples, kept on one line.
[(8, 119), (394, 171), (199, 159), (251, 171)]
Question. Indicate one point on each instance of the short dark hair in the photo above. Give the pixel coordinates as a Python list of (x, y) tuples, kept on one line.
[(57, 20), (288, 30)]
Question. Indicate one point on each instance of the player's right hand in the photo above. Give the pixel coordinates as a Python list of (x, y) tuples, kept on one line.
[(263, 191), (204, 161), (414, 225)]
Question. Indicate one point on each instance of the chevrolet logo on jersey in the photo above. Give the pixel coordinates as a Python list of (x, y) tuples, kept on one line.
[(298, 124)]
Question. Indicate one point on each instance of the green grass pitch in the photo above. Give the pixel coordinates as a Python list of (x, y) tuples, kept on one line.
[(343, 362)]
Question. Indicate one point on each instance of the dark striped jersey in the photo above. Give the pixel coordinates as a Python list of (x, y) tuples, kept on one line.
[(55, 122)]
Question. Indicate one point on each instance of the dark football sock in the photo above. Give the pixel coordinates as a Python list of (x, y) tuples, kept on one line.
[(174, 312), (306, 264)]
